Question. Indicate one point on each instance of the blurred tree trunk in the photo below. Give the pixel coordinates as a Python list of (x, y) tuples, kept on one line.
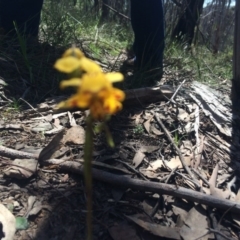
[(189, 19), (236, 58), (104, 11)]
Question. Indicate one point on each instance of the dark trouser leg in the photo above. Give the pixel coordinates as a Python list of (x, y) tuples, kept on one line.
[(148, 25), (25, 13)]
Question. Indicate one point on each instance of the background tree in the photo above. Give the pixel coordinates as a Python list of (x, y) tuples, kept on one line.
[(189, 19), (236, 58)]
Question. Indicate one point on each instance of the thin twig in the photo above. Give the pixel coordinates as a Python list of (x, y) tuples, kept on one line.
[(171, 100), (224, 215), (155, 208), (199, 153), (219, 233), (131, 168), (200, 176), (120, 14), (172, 172), (175, 93), (178, 151), (32, 107), (214, 224)]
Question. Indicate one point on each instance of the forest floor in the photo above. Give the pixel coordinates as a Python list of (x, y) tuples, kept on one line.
[(173, 173)]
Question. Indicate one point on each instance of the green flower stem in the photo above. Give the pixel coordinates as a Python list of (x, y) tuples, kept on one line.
[(88, 151), (108, 136)]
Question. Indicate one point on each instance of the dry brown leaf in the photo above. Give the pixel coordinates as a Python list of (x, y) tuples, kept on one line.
[(179, 211), (137, 118), (207, 190), (183, 116), (223, 178), (75, 135), (156, 229), (34, 206), (72, 121), (237, 198), (219, 193), (51, 148), (148, 205), (57, 123), (22, 169), (175, 162), (196, 224), (156, 131), (213, 179), (148, 149), (123, 232), (189, 127), (186, 148), (150, 172), (236, 217), (138, 158), (147, 124)]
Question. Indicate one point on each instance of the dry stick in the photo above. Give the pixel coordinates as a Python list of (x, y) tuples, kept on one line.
[(132, 169), (106, 166), (200, 176), (178, 88), (31, 107), (199, 153), (120, 14), (11, 153), (172, 172), (178, 151), (196, 128), (147, 186)]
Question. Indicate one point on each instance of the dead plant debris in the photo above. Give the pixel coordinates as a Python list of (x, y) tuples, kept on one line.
[(172, 174)]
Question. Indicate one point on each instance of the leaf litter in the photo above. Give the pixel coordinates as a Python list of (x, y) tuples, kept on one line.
[(50, 201)]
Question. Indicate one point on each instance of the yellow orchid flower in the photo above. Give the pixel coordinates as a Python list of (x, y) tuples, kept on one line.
[(74, 59), (94, 88), (73, 52), (88, 65), (96, 93), (67, 64), (93, 82)]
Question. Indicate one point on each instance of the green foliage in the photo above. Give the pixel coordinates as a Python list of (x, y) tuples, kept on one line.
[(138, 130), (21, 223), (200, 62), (15, 105)]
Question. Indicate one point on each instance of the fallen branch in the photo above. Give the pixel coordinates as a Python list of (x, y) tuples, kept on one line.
[(11, 153), (178, 151), (148, 186), (147, 95)]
